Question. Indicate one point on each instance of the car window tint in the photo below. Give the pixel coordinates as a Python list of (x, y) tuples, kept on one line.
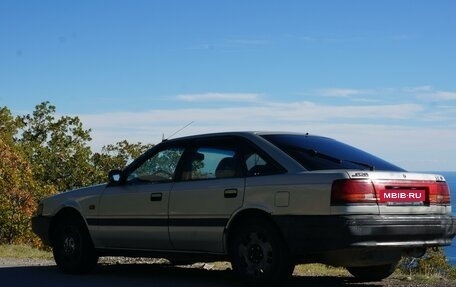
[(211, 163), (321, 153), (256, 166), (159, 168)]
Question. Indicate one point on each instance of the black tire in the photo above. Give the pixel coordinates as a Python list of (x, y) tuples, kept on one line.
[(372, 273), (259, 254), (72, 247)]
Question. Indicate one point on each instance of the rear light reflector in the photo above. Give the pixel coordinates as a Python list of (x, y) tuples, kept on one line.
[(349, 191)]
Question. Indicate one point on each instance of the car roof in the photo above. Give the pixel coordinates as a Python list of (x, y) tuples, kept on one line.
[(236, 133)]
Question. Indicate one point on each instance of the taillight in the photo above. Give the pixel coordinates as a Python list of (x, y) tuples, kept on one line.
[(349, 191), (439, 193)]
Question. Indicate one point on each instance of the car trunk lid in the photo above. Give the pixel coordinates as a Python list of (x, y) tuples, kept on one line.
[(407, 193)]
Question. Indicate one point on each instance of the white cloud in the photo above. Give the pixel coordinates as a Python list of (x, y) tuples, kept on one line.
[(342, 92), (219, 97), (247, 41), (411, 134), (429, 93), (419, 89), (424, 93), (230, 44), (150, 126), (411, 147), (445, 96), (268, 112), (310, 111)]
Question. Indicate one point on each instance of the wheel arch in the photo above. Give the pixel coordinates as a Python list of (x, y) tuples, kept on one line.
[(240, 217), (65, 212)]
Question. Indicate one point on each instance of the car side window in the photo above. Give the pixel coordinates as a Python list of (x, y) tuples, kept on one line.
[(256, 165), (158, 168), (211, 163)]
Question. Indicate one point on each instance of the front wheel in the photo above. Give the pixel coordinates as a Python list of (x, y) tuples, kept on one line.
[(72, 247), (372, 273), (259, 255)]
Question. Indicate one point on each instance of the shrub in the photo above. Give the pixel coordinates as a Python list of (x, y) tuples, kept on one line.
[(433, 263)]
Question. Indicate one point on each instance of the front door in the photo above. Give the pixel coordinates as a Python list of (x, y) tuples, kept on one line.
[(134, 214)]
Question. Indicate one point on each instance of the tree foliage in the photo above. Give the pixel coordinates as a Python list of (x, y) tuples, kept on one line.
[(8, 125), (57, 148), (19, 191), (42, 153)]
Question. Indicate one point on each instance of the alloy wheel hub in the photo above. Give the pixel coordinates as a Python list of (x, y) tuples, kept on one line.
[(255, 253), (69, 245)]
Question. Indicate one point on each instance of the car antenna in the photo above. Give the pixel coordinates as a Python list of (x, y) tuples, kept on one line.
[(163, 135)]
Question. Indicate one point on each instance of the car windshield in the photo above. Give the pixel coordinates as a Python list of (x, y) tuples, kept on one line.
[(320, 153)]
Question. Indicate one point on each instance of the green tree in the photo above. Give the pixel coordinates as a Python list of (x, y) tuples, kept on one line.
[(8, 125), (42, 153), (57, 148), (59, 152)]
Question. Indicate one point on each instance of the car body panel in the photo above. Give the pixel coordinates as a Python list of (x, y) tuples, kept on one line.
[(80, 199), (133, 216), (199, 212), (307, 192)]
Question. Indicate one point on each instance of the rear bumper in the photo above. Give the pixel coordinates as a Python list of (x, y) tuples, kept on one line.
[(309, 234), (41, 226)]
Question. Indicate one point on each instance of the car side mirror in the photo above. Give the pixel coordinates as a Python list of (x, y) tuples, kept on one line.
[(114, 176)]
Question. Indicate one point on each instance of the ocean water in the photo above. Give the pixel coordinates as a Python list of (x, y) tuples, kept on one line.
[(450, 177)]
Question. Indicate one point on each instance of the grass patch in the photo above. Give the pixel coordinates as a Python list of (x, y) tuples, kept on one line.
[(319, 270), (449, 274), (23, 252)]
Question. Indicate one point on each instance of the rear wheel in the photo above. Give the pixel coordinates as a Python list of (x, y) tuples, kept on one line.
[(259, 255), (372, 273), (72, 247)]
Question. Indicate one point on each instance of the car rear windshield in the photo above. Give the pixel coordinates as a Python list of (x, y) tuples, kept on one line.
[(320, 153)]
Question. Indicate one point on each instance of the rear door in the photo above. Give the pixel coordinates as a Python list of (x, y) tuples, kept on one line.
[(210, 190)]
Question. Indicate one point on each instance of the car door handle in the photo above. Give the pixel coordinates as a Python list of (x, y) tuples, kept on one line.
[(230, 192), (156, 196)]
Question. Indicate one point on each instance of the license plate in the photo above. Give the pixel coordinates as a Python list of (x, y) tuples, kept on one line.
[(402, 195)]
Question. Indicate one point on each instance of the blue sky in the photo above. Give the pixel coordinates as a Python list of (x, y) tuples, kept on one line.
[(379, 75)]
